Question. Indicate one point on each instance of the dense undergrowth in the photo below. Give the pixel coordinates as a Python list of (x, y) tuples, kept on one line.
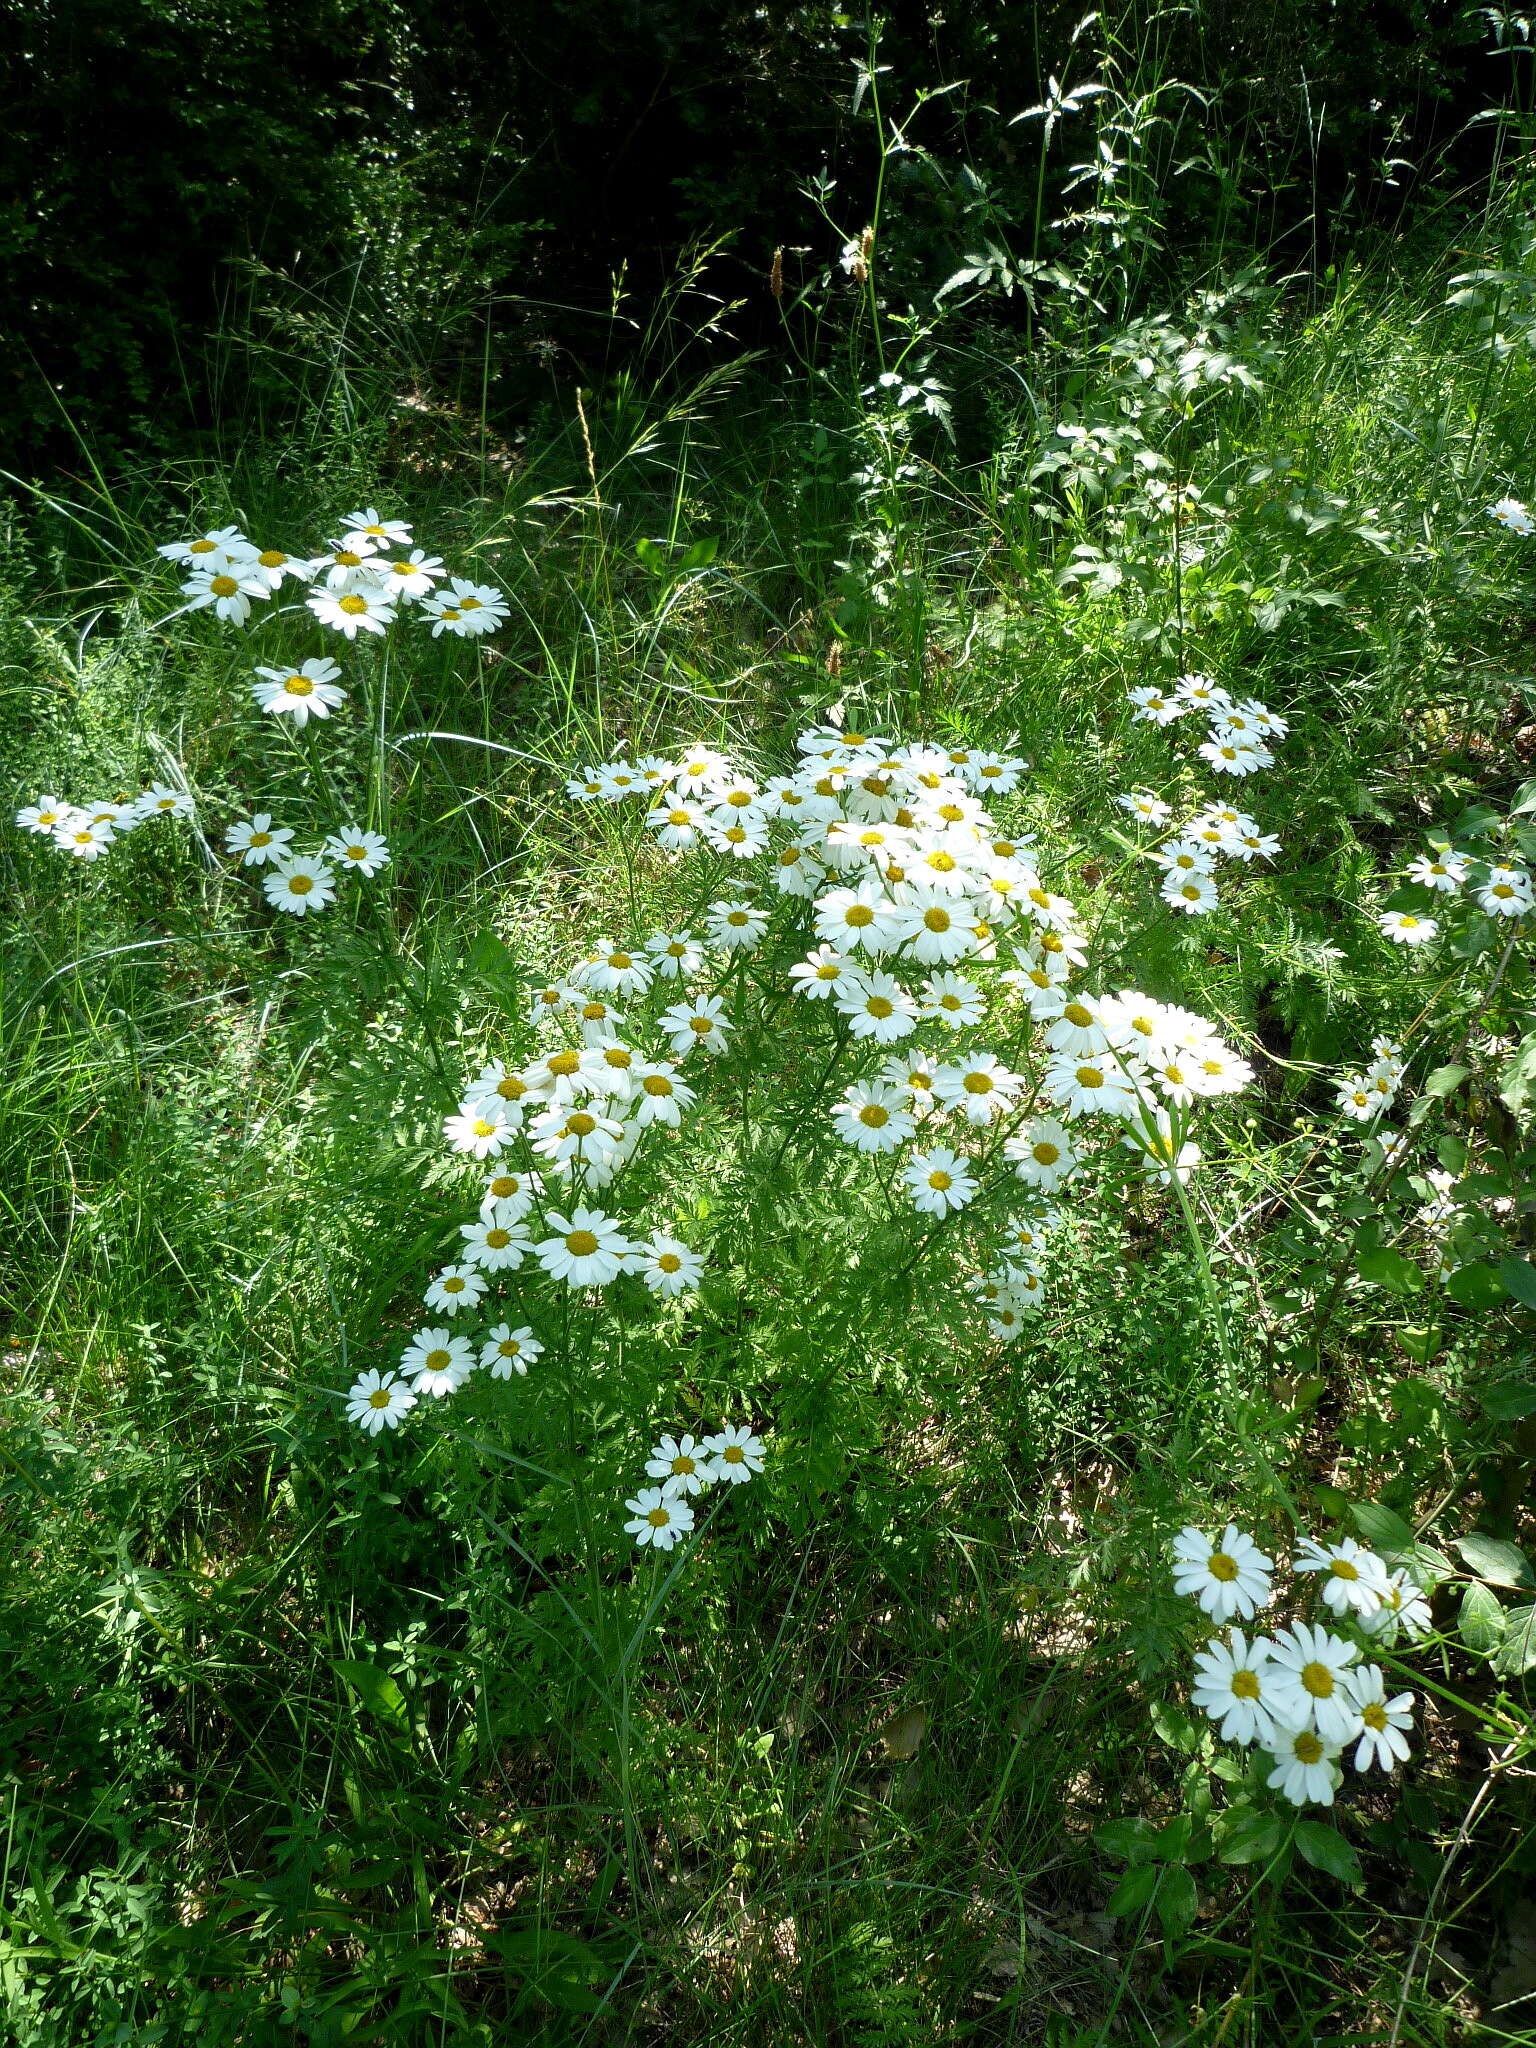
[(330, 1736)]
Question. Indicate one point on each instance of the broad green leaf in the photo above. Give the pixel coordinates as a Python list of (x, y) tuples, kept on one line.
[(1508, 1400), (1384, 1267), (375, 1688), (1477, 1286), (1385, 1531), (1445, 1080), (1131, 1838), (1519, 1279), (1177, 1900), (1252, 1837), (1175, 1728), (1517, 1080), (1326, 1849), (1491, 1558), (1517, 1653), (1135, 1889), (1481, 1621)]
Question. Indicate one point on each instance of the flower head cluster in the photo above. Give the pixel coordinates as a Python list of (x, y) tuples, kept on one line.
[(1302, 1693), (1512, 516), (683, 1468), (301, 883), (1367, 1094), (89, 830), (364, 578)]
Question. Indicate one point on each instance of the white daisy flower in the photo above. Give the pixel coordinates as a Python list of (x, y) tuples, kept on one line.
[(954, 1002), (300, 883), (823, 973), (83, 839), (259, 841), (616, 972), (1444, 872), (661, 1095), (1229, 1577), (677, 825), (481, 1129), (507, 1351), (1506, 892), (878, 1008), (873, 1118), (1403, 1606), (1352, 1578), (1357, 1099), (737, 1454), (939, 1182), (308, 691), (1042, 1154), (681, 1464), (1089, 1084), (980, 1087), (586, 1249), (1304, 1769), (702, 1025), (1153, 706), (1231, 1687), (437, 1361), (363, 609), (1230, 754), (273, 566), (363, 852), (1384, 1736), (227, 592), (658, 1518), (572, 1136), (734, 926), (455, 1288), (160, 800), (466, 609), (676, 956), (667, 1265), (932, 929), (1193, 893), (508, 1197), (495, 1246), (45, 816), (1309, 1682), (855, 918), (1406, 928), (370, 531), (1509, 512), (342, 566), (214, 549), (377, 1400)]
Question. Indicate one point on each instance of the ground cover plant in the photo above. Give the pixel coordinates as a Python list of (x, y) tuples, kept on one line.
[(766, 1171)]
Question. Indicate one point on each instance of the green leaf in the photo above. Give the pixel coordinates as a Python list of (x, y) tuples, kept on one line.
[(1131, 1838), (1382, 1529), (1326, 1849), (1481, 1621), (1135, 1890), (1177, 1900), (1508, 1400), (1386, 1268), (1445, 1080), (1517, 1653), (375, 1688), (1517, 1080), (1494, 1560), (1251, 1837), (1477, 1286), (1519, 1279), (1175, 1728), (702, 553)]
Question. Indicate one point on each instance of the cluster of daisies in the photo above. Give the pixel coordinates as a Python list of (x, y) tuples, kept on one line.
[(1241, 735), (1497, 887), (360, 583), (1305, 1694), (1513, 517), (87, 831), (685, 1466), (302, 883)]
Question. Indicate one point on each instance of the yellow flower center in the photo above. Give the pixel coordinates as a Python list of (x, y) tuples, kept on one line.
[(581, 1125), (829, 970), (620, 962), (682, 1464), (941, 862), (789, 856), (1306, 1748), (618, 1056), (484, 1127), (379, 1398), (977, 1084), (353, 605), (733, 1454), (940, 1181), (880, 1006), (951, 1003), (1078, 1014), (669, 1262), (659, 1517), (1503, 891), (657, 1084), (702, 1025), (511, 1087), (1341, 1568), (300, 885), (1045, 1153), (439, 1360), (581, 1244), (1374, 1715), (874, 1116), (453, 1284), (469, 604), (201, 547), (345, 559), (1090, 1077), (562, 1063), (357, 853), (1222, 1567), (593, 1013), (738, 918), (503, 1187), (937, 920), (1317, 1680), (677, 817), (1245, 1685), (498, 1239), (858, 915), (260, 839), (736, 834), (508, 1348)]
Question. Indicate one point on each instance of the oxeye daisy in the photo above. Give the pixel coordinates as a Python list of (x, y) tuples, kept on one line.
[(1509, 512), (872, 1117), (1042, 1154), (219, 545), (455, 1288), (369, 531), (681, 1464), (822, 974), (1145, 805), (734, 926), (1407, 928), (377, 1400), (227, 592), (737, 1454), (1228, 1577), (701, 1026), (877, 1008), (507, 1351), (1403, 1607), (931, 928), (273, 566), (676, 956), (1309, 1683), (661, 1095), (1506, 892), (854, 918), (1384, 1723), (980, 1087), (308, 691), (466, 609), (363, 852), (366, 608), (658, 1518), (1231, 1687), (1444, 872), (480, 1129), (45, 816), (437, 1361), (300, 883), (586, 1248), (495, 1246), (939, 1182), (954, 1002), (617, 972), (160, 800), (507, 1197), (1304, 1769), (677, 825), (258, 841), (342, 566), (1351, 1577), (82, 839), (1194, 894), (1154, 706), (667, 1265)]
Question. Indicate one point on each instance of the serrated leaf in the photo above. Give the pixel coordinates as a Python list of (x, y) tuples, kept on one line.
[(1382, 1529), (1494, 1560), (1135, 1890), (1177, 1900), (1326, 1849), (1480, 1623), (1517, 1653), (1476, 1286)]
